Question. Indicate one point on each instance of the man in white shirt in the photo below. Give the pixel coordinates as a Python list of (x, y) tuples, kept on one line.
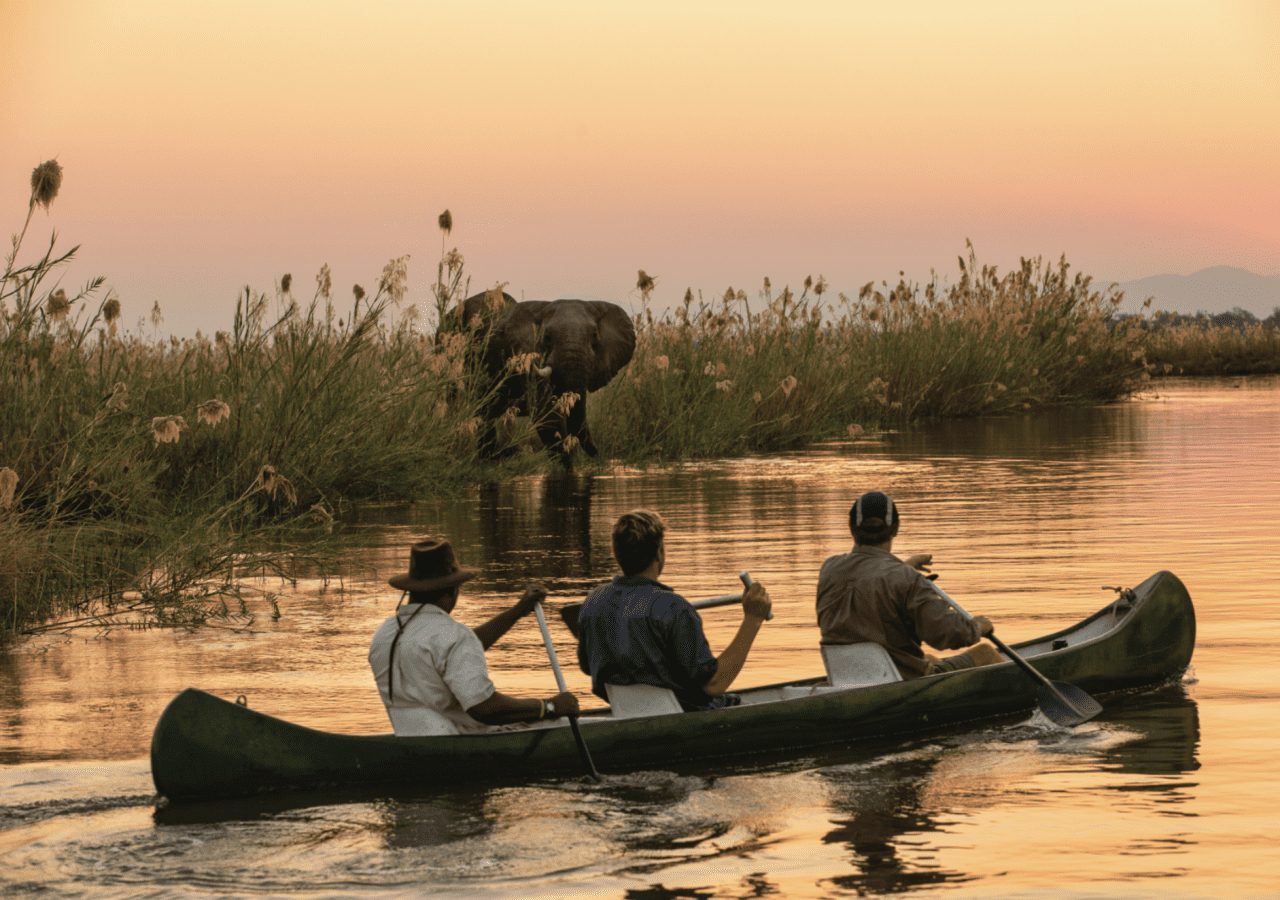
[(430, 669)]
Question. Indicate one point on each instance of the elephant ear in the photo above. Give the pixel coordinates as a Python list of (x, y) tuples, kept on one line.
[(517, 331), (617, 342)]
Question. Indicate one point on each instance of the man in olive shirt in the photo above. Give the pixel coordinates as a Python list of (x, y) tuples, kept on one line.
[(871, 595)]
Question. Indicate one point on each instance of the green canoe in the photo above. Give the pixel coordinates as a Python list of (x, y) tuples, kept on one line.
[(208, 748)]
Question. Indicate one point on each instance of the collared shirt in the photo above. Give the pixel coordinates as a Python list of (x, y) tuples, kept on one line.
[(440, 672), (634, 630), (871, 595)]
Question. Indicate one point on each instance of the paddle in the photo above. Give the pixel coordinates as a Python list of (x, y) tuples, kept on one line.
[(570, 611), (1065, 704), (573, 718)]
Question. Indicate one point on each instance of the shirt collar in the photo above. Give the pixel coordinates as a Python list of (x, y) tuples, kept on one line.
[(428, 609), (634, 580), (865, 550)]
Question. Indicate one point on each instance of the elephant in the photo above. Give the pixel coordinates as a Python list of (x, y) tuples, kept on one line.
[(538, 351)]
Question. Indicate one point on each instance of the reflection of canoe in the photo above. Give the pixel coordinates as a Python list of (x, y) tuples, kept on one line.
[(204, 747)]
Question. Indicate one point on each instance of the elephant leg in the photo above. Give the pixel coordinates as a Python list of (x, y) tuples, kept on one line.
[(493, 408), (578, 426), (488, 445), (552, 429)]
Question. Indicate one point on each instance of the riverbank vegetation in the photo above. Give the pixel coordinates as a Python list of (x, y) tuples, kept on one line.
[(731, 376), (1229, 343), (143, 477)]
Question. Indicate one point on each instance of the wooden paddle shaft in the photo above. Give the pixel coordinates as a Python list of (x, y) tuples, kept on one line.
[(1005, 648), (709, 603), (578, 739), (725, 600), (551, 648)]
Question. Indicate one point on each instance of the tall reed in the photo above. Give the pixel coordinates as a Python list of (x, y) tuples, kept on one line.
[(722, 378)]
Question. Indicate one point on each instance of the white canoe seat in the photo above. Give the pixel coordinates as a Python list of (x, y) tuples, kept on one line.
[(857, 665), (629, 701)]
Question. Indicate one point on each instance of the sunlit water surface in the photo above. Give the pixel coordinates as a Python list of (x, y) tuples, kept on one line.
[(1172, 791)]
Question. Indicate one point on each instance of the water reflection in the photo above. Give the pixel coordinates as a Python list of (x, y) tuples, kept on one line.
[(1070, 433), (875, 815), (755, 885), (10, 703), (435, 822), (1169, 720), (538, 525)]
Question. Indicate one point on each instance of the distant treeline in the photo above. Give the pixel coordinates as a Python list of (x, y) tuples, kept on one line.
[(1233, 318), (1235, 342)]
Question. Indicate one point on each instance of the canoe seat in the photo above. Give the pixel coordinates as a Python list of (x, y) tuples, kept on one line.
[(856, 665), (628, 701)]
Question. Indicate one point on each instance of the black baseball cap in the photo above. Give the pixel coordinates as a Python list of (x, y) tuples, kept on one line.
[(874, 516)]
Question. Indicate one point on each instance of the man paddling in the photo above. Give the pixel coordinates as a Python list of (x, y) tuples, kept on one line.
[(871, 595), (430, 669), (636, 630)]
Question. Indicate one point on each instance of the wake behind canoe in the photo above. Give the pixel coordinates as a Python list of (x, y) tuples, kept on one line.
[(206, 748)]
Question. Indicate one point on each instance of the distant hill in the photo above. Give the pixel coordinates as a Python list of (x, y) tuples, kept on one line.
[(1216, 289)]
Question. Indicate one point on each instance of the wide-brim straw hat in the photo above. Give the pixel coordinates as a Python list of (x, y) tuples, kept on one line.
[(432, 567)]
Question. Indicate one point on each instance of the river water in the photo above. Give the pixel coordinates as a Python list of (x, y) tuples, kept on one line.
[(1173, 790)]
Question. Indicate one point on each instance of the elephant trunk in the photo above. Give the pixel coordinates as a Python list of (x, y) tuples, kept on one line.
[(568, 372)]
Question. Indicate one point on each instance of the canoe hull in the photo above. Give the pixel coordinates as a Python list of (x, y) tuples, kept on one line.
[(206, 748)]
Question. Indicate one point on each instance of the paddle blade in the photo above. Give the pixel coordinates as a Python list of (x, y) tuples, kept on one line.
[(569, 615), (1067, 705)]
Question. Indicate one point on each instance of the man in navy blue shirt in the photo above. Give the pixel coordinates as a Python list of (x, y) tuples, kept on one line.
[(636, 630)]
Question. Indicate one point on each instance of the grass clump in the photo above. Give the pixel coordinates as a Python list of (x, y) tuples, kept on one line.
[(1233, 343), (722, 378), (145, 474)]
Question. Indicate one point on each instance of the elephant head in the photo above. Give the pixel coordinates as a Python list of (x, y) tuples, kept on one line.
[(582, 345), (583, 342)]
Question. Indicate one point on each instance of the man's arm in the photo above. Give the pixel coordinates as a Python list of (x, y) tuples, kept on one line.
[(755, 607), (465, 673), (500, 624), (941, 625), (503, 709)]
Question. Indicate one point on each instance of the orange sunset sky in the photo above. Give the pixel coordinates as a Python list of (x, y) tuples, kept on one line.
[(212, 145)]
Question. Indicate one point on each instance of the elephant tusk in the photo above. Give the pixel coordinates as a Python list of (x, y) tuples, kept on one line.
[(544, 372)]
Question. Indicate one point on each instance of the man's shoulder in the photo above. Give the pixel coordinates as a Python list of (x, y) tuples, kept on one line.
[(613, 596), (604, 589), (627, 585), (835, 560), (386, 631), (835, 565), (432, 625), (879, 565), (665, 600)]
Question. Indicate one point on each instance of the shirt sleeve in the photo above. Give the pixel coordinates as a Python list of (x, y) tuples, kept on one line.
[(689, 653), (584, 626), (939, 624), (465, 671)]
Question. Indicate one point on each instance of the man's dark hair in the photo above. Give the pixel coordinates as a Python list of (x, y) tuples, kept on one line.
[(874, 518), (636, 538)]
